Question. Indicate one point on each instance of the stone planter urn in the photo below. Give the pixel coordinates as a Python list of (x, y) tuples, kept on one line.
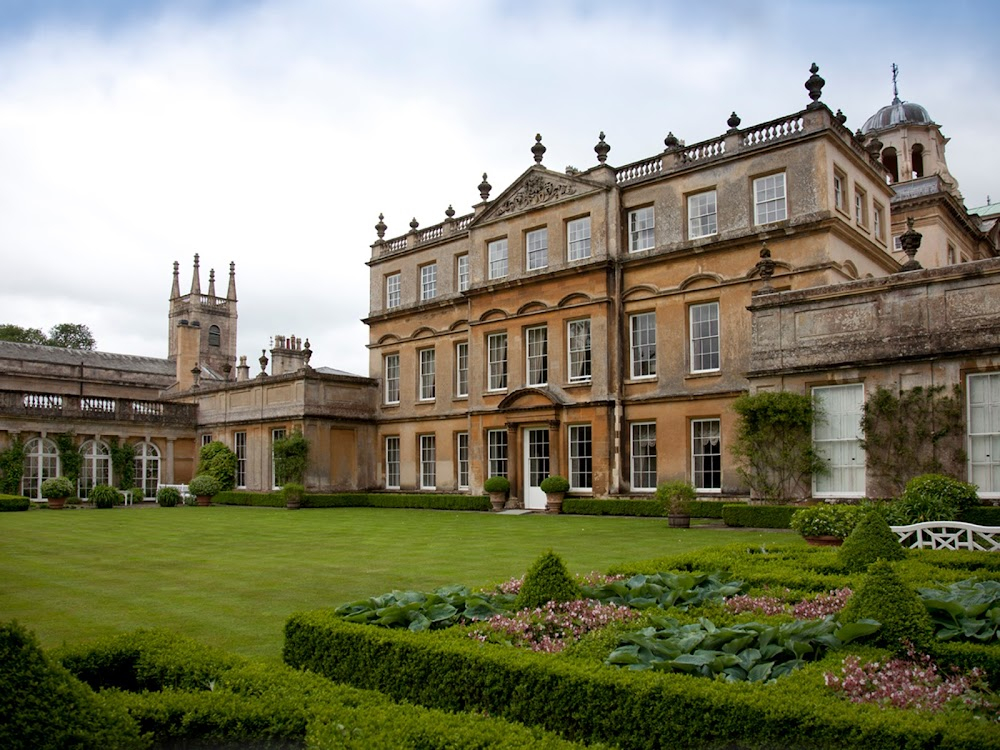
[(555, 488), (554, 501), (498, 500), (55, 491), (497, 487)]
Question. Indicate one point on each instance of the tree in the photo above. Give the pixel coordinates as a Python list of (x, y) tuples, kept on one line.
[(71, 336), (774, 444), (19, 335)]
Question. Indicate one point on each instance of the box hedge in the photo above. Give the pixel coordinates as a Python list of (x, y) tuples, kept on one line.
[(984, 515), (758, 516), (13, 503), (430, 501)]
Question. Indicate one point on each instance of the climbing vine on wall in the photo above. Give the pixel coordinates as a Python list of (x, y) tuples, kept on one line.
[(70, 460), (122, 463), (912, 432), (12, 468)]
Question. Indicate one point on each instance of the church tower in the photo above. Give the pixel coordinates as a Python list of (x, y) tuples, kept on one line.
[(202, 329), (912, 143)]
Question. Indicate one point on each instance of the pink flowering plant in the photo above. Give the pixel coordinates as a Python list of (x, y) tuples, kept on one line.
[(551, 628), (806, 609), (913, 682)]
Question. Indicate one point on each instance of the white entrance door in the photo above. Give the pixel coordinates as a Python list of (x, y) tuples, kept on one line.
[(837, 440), (536, 466)]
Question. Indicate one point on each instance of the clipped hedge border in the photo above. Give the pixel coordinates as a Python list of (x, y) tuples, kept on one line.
[(611, 506), (13, 503), (758, 516), (358, 500), (984, 515), (589, 702), (183, 692)]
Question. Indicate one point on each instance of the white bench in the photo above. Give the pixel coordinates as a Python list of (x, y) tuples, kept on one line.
[(949, 535), (181, 488)]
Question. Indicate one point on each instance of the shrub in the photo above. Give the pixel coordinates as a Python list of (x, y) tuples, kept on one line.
[(218, 460), (497, 484), (293, 493), (612, 506), (774, 444), (675, 497), (933, 497), (871, 540), (168, 497), (104, 496), (138, 493), (826, 520), (291, 458), (204, 485), (58, 487), (554, 483), (13, 503), (12, 467), (882, 596), (547, 580), (758, 516), (43, 707)]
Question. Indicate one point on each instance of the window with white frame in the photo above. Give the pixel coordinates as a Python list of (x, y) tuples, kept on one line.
[(704, 337), (41, 462), (642, 335), (839, 201), (581, 465), (205, 440), (497, 251), (578, 338), (96, 466), (393, 293), (496, 445), (392, 378), (392, 462), (706, 455), (462, 454), (860, 207), (643, 455), (641, 229), (428, 281), (240, 449), (536, 246), (462, 368), (877, 212), (837, 440), (702, 221), (769, 199), (428, 462), (276, 435), (147, 468), (496, 347), (578, 238), (462, 272), (427, 380), (537, 355), (984, 432)]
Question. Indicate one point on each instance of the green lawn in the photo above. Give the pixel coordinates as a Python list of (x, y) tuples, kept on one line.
[(230, 577)]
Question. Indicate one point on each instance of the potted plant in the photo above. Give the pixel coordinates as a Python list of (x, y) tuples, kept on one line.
[(56, 490), (555, 488), (497, 487), (168, 497), (825, 524), (103, 496), (203, 487), (675, 498), (293, 493)]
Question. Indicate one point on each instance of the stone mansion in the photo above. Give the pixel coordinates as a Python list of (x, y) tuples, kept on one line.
[(593, 323)]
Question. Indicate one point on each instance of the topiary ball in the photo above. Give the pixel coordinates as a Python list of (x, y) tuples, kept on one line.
[(547, 581), (871, 540), (883, 596)]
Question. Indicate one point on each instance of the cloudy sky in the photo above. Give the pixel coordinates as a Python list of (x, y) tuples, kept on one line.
[(134, 133)]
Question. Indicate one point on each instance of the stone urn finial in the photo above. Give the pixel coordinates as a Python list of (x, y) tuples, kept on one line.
[(910, 240), (671, 141), (263, 362), (815, 84), (602, 148), (380, 227), (484, 188), (733, 122), (538, 150)]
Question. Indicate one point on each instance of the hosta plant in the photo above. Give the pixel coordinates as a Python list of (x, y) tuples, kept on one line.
[(968, 610), (446, 606), (750, 651), (663, 590)]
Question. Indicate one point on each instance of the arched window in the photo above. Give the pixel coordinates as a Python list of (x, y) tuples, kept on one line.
[(41, 462), (891, 163), (96, 467), (147, 468), (918, 160), (214, 336)]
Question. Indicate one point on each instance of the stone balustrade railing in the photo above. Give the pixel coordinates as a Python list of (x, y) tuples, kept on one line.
[(104, 408)]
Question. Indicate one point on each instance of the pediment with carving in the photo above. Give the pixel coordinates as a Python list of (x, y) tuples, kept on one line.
[(536, 188)]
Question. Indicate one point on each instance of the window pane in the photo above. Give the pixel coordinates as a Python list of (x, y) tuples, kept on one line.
[(427, 384), (705, 337), (641, 229), (428, 462), (462, 369), (392, 379), (537, 246), (463, 272), (769, 198), (497, 346), (579, 350), (706, 454), (392, 290), (580, 458), (462, 449), (497, 446), (498, 259), (702, 215), (643, 345), (538, 356), (643, 456), (578, 238), (392, 463), (428, 282)]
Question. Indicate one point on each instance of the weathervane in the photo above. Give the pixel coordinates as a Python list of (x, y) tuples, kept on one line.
[(895, 89)]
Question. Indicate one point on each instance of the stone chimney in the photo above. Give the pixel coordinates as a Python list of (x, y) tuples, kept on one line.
[(188, 347), (288, 355)]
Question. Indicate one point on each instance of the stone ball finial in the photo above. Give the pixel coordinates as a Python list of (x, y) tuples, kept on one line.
[(484, 188), (602, 148), (449, 212), (671, 141), (176, 268), (734, 121), (414, 224), (381, 227), (815, 84), (538, 149)]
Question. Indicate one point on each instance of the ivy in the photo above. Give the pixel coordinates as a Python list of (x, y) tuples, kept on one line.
[(774, 444), (12, 468), (123, 463), (917, 431), (291, 457), (69, 457)]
